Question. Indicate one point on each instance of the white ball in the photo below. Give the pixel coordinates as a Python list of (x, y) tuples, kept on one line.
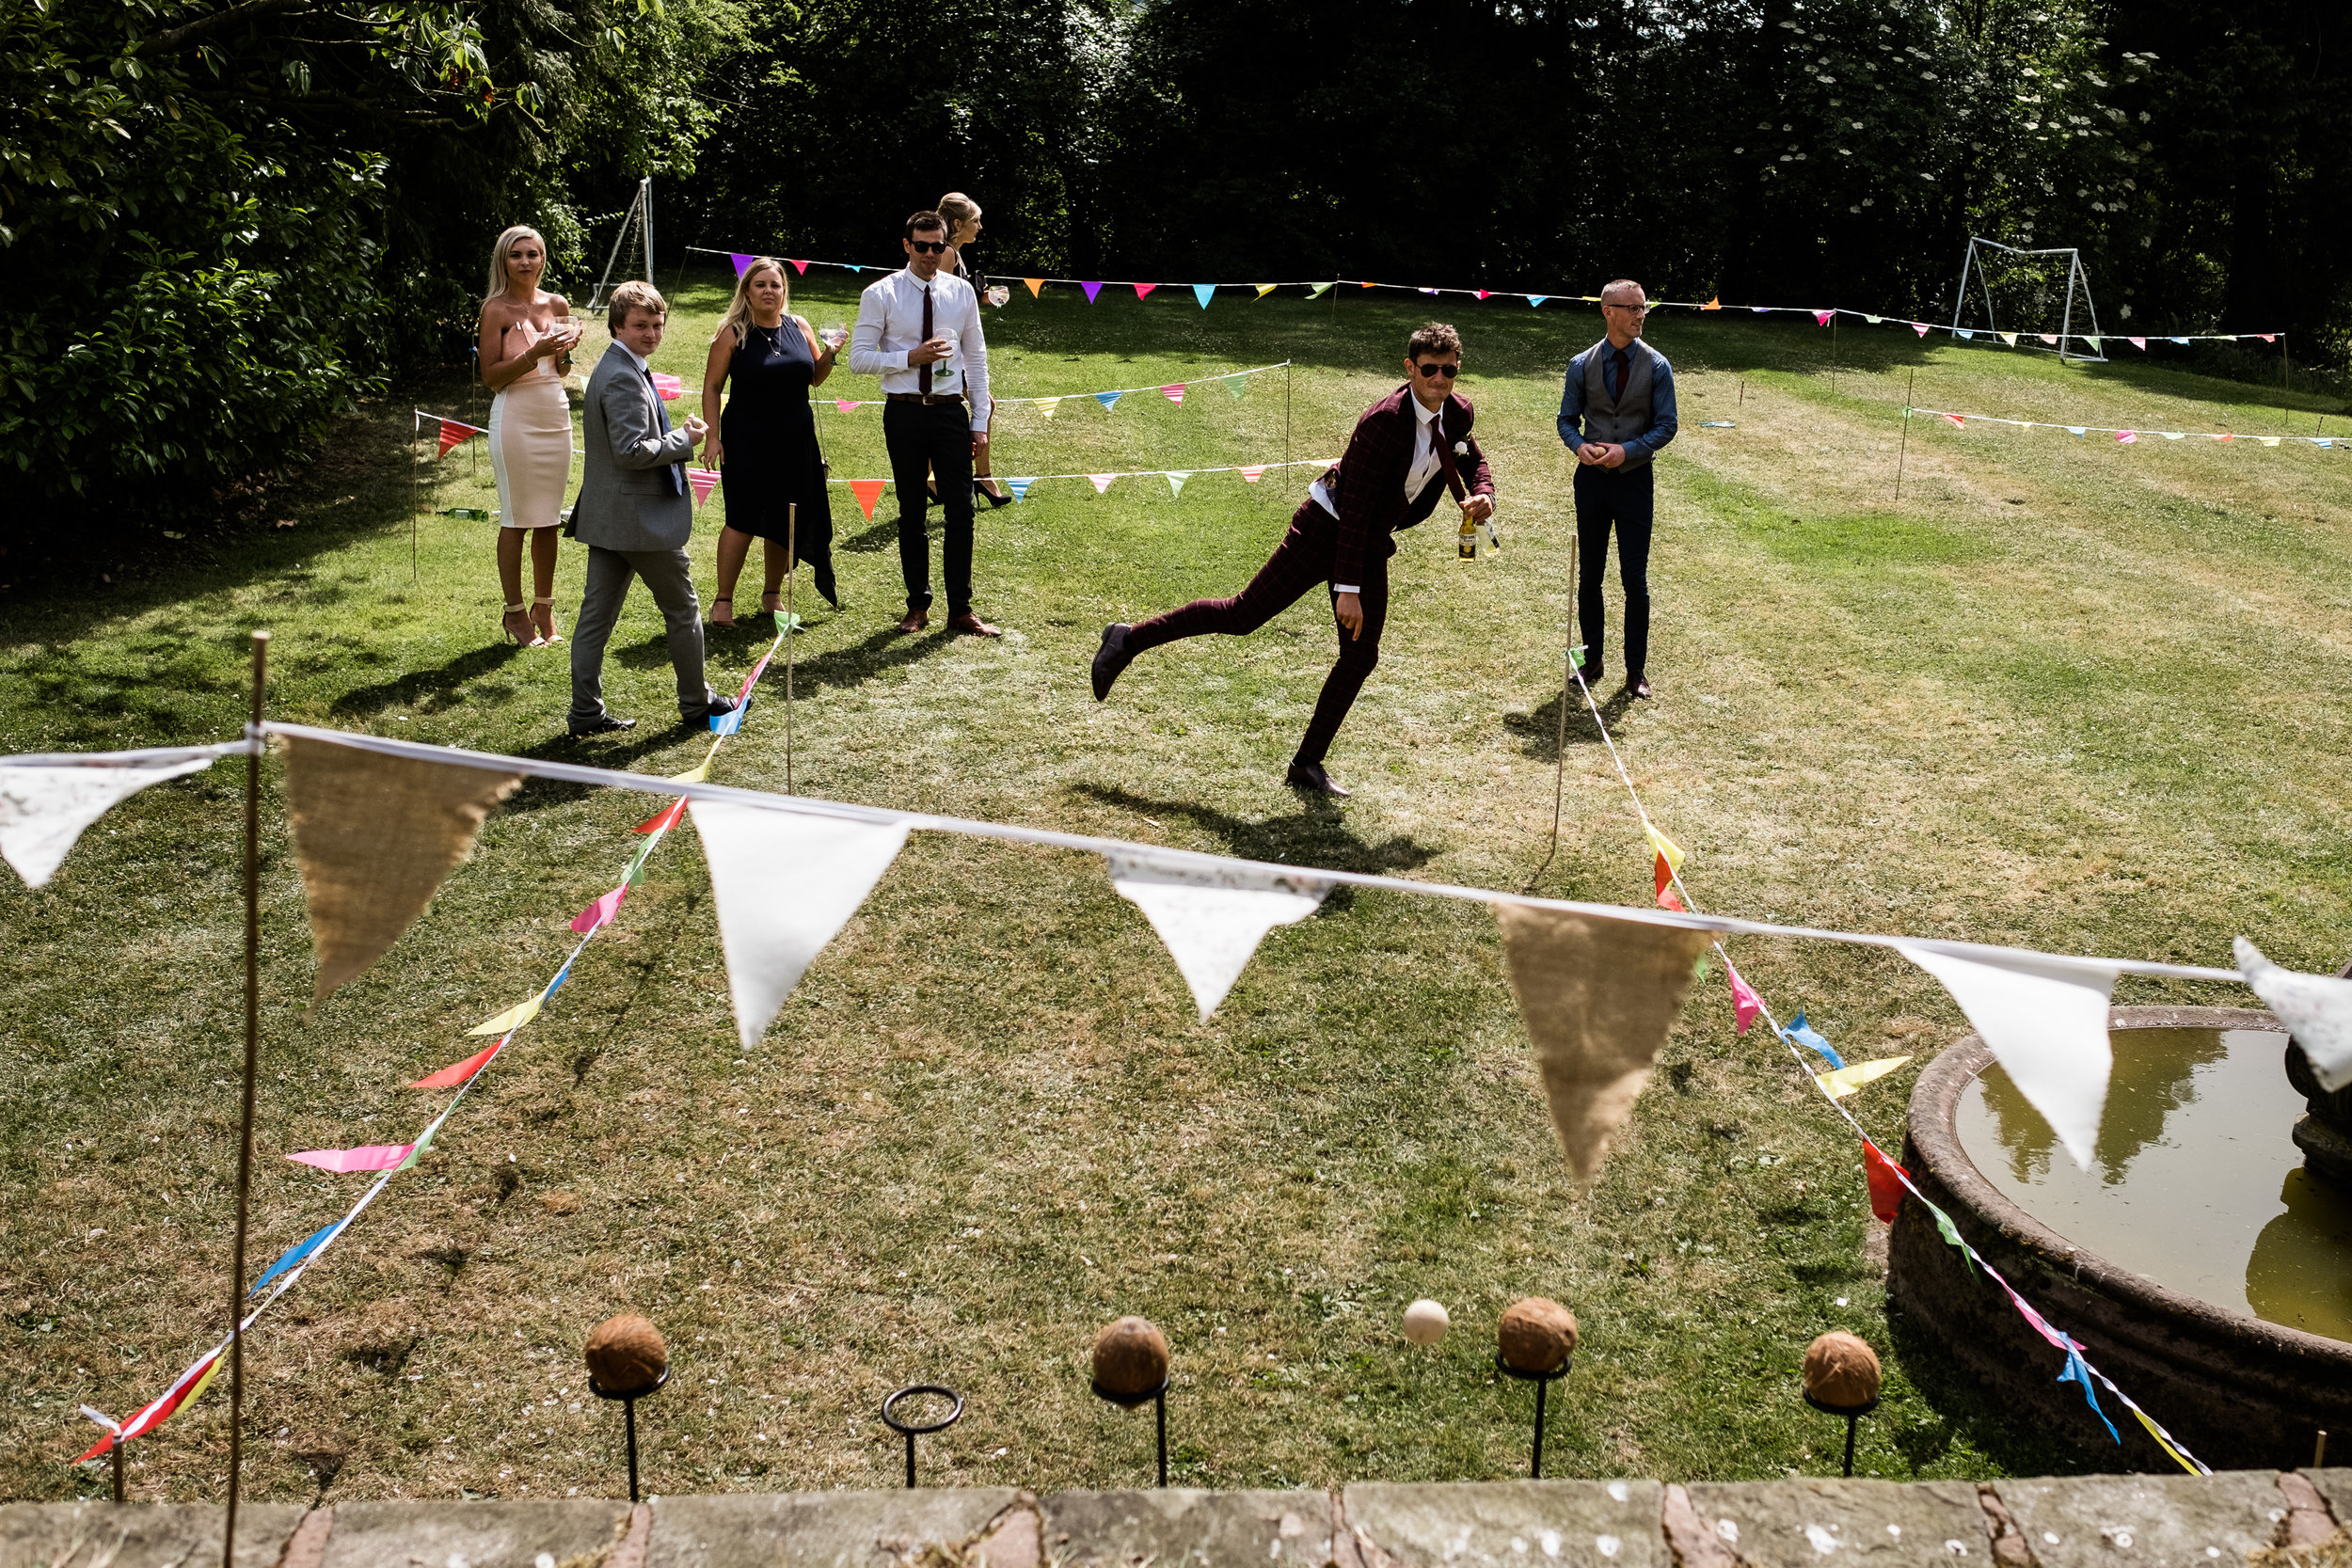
[(1425, 1323)]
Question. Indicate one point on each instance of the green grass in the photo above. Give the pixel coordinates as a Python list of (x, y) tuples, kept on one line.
[(2064, 694)]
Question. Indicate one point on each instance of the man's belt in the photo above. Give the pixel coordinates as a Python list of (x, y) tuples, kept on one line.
[(926, 398)]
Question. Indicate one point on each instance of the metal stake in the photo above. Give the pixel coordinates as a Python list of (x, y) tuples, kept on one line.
[(1560, 750), (1128, 1402), (1286, 416), (910, 1430), (413, 422), (1833, 356), (244, 1127), (1536, 1463), (1904, 451), (118, 1459), (628, 1398), (1853, 1413)]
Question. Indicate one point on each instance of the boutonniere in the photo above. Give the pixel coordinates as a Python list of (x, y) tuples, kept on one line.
[(1461, 449)]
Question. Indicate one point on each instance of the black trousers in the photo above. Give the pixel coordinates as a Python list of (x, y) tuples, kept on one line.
[(924, 439), (1624, 498), (1299, 563)]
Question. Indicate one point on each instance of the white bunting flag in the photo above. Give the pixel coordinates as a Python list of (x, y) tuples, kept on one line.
[(2316, 1009), (785, 884), (1213, 918), (45, 802), (2045, 1020)]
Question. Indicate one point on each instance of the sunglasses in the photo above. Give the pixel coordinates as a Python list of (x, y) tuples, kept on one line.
[(1636, 309), (1438, 372), (928, 248)]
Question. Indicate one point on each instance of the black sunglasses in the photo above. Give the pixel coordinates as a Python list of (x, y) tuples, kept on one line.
[(1439, 372), (928, 248)]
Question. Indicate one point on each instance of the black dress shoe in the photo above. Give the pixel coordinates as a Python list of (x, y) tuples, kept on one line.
[(1311, 777), (1111, 657), (719, 709), (1639, 686), (603, 723)]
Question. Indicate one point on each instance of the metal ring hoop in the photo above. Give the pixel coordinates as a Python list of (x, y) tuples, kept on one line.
[(1128, 1402), (1828, 1409), (1553, 1376), (603, 1393), (909, 1392)]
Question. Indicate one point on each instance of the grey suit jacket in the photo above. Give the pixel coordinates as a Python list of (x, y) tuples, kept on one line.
[(624, 503)]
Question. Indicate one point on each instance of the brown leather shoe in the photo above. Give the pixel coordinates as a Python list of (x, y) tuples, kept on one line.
[(915, 621), (972, 625)]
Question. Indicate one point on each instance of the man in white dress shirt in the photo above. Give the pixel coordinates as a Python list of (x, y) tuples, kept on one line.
[(919, 330)]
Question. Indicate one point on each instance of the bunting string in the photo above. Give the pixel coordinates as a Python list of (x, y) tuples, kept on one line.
[(2127, 438)]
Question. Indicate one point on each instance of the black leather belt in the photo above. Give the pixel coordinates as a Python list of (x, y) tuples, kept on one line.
[(926, 398)]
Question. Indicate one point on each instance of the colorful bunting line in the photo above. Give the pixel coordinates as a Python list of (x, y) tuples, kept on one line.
[(870, 491), (2128, 437)]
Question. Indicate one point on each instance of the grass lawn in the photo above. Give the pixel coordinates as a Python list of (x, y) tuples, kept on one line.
[(2065, 694)]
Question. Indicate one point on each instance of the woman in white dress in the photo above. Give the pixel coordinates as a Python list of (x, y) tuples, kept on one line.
[(527, 340)]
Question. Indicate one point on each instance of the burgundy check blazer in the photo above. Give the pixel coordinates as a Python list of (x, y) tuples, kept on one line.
[(1367, 484)]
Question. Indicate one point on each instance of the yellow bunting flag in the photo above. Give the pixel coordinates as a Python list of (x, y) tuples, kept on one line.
[(1666, 849), (1051, 406), (2009, 338), (1845, 1080), (1598, 994), (1035, 285), (513, 1017), (1265, 289), (699, 773), (375, 836)]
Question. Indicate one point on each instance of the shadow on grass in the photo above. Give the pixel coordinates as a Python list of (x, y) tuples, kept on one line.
[(1964, 1409), (1539, 732), (1317, 834), (425, 689)]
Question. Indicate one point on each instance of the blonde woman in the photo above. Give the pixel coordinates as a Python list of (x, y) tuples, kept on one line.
[(765, 442), (527, 340), (963, 225)]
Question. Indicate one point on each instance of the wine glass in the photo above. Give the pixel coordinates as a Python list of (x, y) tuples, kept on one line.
[(999, 293), (945, 371), (833, 335)]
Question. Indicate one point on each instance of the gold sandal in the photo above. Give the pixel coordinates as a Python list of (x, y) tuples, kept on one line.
[(513, 613), (543, 617)]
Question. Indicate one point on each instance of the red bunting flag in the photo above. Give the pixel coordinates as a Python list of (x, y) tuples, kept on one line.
[(454, 433), (1665, 875), (1143, 289), (458, 1072), (189, 1384), (1482, 293), (798, 266), (1173, 394), (2267, 337), (1886, 1183), (1957, 420), (1254, 473), (868, 491), (662, 820)]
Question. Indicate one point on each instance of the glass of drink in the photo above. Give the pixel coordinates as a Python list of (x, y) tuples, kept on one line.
[(946, 373), (999, 293), (833, 335)]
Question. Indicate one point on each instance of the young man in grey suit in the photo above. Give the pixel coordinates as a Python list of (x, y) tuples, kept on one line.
[(1616, 411), (635, 518)]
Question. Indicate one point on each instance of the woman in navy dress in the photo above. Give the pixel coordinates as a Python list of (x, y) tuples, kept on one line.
[(766, 445)]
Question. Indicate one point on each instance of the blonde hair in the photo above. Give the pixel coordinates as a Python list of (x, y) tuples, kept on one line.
[(500, 280), (738, 314), (635, 294), (957, 209)]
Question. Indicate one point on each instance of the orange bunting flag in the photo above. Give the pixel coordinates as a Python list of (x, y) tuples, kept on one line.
[(1886, 1183), (1254, 473), (457, 1073), (1666, 876), (869, 492), (1715, 303), (1036, 286)]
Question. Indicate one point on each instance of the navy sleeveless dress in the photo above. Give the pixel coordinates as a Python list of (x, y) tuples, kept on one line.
[(772, 459)]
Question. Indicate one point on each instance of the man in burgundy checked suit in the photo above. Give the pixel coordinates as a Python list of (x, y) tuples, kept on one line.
[(1409, 449)]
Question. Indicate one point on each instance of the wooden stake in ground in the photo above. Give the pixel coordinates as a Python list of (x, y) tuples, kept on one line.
[(1560, 750), (1904, 451), (791, 625), (1833, 356), (245, 1123), (1286, 419), (414, 421)]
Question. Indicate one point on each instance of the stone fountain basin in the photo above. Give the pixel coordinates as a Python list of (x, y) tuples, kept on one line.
[(2240, 1392)]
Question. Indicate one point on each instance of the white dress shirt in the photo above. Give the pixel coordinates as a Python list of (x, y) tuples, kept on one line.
[(1417, 478), (890, 321)]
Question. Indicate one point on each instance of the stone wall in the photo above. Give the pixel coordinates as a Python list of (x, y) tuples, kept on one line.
[(2238, 1519)]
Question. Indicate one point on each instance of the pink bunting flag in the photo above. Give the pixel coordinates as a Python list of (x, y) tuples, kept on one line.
[(1822, 317), (703, 480), (454, 433), (1746, 1006), (1143, 289), (670, 387), (2267, 337), (367, 1157), (869, 492), (1101, 482), (1254, 473), (1173, 394), (458, 1072), (1091, 289), (800, 267), (601, 911), (2125, 438), (845, 405), (1958, 420), (2222, 437), (662, 820), (1482, 293), (2137, 342), (2047, 337)]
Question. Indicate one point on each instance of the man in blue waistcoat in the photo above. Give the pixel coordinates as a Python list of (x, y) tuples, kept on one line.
[(1616, 409)]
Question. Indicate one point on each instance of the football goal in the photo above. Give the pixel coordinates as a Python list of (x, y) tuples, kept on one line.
[(632, 248), (2041, 294)]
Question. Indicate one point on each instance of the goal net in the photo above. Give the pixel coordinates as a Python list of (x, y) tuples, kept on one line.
[(2037, 299)]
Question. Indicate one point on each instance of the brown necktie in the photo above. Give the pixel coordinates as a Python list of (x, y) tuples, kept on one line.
[(925, 380)]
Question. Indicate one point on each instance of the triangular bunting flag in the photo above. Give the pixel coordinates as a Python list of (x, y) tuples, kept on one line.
[(1176, 478), (1597, 995), (1371, 285), (2077, 430), (845, 405), (185, 1388), (1746, 1006), (1886, 1179), (374, 836), (1020, 488), (1314, 290), (293, 1254), (2137, 342), (1958, 420), (1101, 482), (1664, 847), (1804, 1034), (1108, 399), (600, 913), (1841, 1082), (1143, 289), (1236, 384), (2007, 337), (1213, 918), (703, 480), (1202, 293), (513, 1017), (1714, 304), (731, 722), (670, 387), (1920, 327), (1253, 473), (2219, 435), (366, 1157), (800, 267), (1533, 300), (1036, 286), (458, 1072), (46, 804), (1963, 332), (1874, 321), (1664, 876), (785, 884), (742, 262), (2047, 337), (2267, 337), (1091, 289), (2267, 440), (1480, 292), (452, 433), (2316, 1009), (2046, 1022), (1174, 394), (2094, 343), (1820, 318), (1265, 289), (869, 492), (2183, 341), (2077, 1373), (664, 819), (2125, 438), (1050, 405)]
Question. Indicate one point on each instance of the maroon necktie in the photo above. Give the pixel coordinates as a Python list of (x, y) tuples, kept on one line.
[(925, 381)]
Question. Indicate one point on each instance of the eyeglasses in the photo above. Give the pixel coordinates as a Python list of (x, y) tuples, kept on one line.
[(928, 248), (1438, 372), (1636, 309)]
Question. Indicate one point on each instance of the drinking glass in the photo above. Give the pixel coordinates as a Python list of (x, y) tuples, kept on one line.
[(946, 373), (833, 335)]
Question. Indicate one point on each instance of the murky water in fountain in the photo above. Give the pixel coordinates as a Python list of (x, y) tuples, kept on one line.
[(2195, 1184)]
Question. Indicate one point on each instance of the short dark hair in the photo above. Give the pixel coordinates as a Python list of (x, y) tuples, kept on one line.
[(1433, 338), (925, 219)]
